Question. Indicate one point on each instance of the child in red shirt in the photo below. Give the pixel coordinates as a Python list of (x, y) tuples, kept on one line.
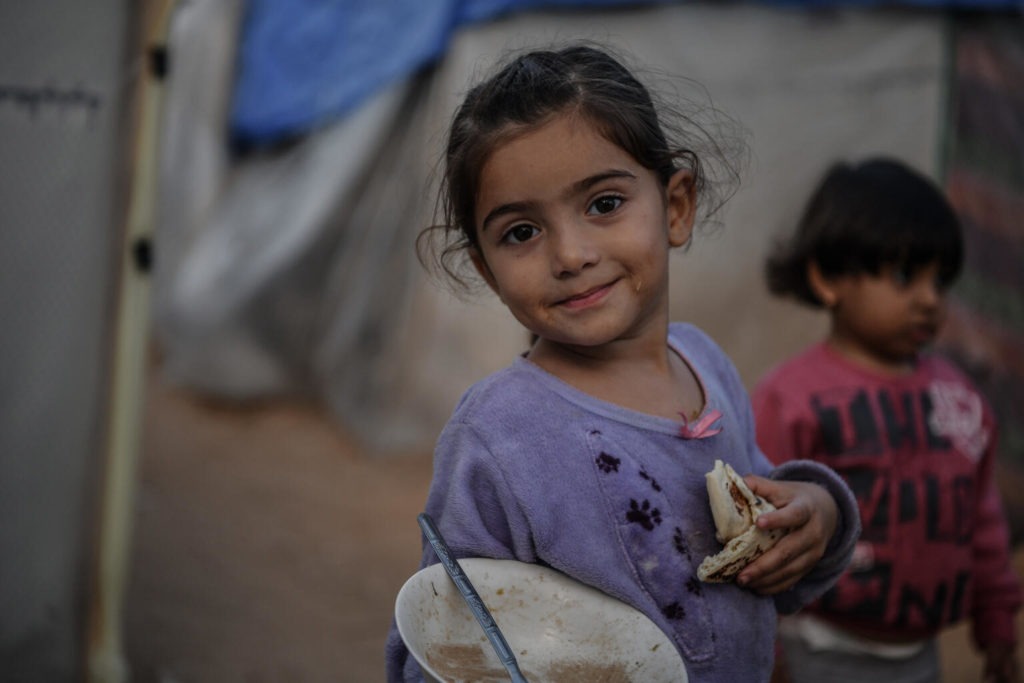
[(877, 247)]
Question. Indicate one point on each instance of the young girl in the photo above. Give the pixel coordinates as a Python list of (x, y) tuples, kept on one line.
[(588, 453), (877, 247)]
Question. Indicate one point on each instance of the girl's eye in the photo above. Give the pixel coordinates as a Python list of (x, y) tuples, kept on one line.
[(604, 204), (902, 275), (518, 234)]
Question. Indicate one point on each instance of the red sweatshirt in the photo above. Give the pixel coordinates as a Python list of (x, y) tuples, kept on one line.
[(918, 452)]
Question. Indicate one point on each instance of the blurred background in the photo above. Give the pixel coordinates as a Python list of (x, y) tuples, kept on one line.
[(222, 367)]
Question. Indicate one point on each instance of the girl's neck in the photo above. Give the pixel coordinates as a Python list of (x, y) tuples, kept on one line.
[(858, 355), (568, 360), (640, 375)]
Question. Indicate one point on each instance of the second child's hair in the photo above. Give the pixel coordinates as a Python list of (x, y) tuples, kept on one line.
[(863, 217), (585, 81)]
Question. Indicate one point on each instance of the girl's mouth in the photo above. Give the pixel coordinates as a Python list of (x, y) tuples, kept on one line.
[(923, 334), (587, 298)]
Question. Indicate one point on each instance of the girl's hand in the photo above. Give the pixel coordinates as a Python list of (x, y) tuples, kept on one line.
[(1001, 664), (810, 514)]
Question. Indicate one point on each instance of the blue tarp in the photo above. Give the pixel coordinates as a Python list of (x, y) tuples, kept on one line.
[(304, 63)]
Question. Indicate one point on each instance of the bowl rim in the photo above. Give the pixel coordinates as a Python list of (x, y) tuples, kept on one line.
[(474, 567)]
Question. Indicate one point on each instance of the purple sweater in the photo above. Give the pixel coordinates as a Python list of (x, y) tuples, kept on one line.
[(531, 469)]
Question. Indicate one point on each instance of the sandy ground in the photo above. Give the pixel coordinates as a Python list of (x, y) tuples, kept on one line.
[(268, 548)]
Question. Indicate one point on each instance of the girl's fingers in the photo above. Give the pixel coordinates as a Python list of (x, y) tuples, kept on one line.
[(786, 562), (790, 517), (796, 502), (777, 587), (775, 492), (803, 510), (791, 511)]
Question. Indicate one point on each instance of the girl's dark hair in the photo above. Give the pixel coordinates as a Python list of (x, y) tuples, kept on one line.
[(862, 217), (529, 91)]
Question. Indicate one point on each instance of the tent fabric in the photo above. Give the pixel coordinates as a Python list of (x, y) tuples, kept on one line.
[(304, 63), (985, 183), (67, 80), (268, 272), (291, 271)]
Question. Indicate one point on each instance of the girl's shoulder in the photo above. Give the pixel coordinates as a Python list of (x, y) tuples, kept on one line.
[(938, 368), (696, 344), (702, 352), (807, 363), (503, 392), (514, 411), (688, 332), (818, 367)]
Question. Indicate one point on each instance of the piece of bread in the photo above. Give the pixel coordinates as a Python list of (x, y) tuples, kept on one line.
[(735, 508)]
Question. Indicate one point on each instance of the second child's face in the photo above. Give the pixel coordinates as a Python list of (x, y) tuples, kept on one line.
[(574, 234), (887, 319)]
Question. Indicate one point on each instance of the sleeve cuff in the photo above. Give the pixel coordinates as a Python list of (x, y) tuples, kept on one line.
[(994, 627), (840, 548)]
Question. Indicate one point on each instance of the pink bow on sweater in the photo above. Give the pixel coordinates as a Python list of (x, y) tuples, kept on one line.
[(702, 429)]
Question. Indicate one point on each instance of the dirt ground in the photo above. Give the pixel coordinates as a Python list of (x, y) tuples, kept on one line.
[(269, 548), (266, 547)]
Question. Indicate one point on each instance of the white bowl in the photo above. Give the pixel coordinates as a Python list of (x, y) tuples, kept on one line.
[(559, 629)]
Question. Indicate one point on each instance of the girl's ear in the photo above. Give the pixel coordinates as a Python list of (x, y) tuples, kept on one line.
[(481, 267), (682, 207), (822, 287)]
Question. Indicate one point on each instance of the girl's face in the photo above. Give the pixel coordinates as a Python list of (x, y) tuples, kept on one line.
[(885, 320), (574, 234)]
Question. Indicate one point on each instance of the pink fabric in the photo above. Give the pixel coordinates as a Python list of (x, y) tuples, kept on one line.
[(918, 451), (702, 429)]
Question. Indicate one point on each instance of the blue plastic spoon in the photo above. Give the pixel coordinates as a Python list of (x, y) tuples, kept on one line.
[(472, 598)]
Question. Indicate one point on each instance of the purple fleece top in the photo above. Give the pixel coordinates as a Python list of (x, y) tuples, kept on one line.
[(531, 469)]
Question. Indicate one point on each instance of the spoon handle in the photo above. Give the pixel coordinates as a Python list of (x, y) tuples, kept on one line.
[(472, 598)]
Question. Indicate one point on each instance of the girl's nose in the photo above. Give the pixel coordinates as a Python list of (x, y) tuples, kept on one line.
[(928, 292), (572, 250)]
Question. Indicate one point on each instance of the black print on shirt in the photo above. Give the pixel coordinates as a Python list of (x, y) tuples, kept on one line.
[(608, 463), (652, 480), (849, 426), (859, 426), (674, 612), (643, 514), (944, 507), (862, 424), (872, 493), (680, 544), (867, 596)]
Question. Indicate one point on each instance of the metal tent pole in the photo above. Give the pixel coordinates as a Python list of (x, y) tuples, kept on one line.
[(106, 662)]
